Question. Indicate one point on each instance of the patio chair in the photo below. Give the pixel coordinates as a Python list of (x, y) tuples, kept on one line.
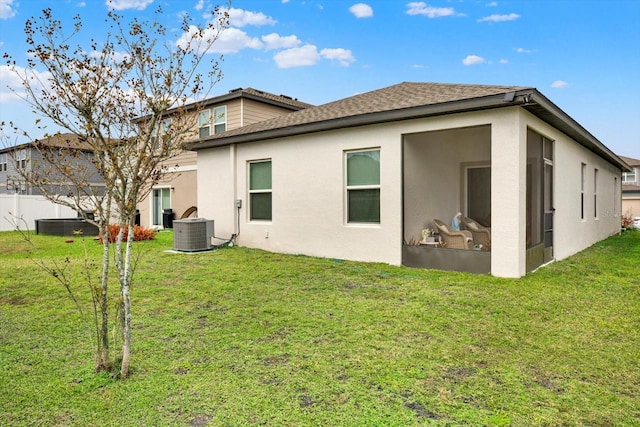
[(451, 239), (481, 234)]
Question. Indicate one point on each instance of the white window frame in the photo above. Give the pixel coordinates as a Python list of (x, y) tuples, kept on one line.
[(3, 162), (21, 158), (595, 193), (630, 177), (151, 207), (583, 172), (259, 191), (348, 188), (215, 117)]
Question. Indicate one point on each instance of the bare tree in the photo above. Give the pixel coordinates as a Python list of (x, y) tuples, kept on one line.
[(124, 101)]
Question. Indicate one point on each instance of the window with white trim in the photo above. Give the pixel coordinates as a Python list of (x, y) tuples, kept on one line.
[(21, 158), (260, 191), (212, 121), (595, 193), (362, 186), (3, 162), (164, 132), (629, 177), (582, 177)]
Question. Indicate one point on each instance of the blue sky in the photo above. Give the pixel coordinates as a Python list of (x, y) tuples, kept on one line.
[(584, 55)]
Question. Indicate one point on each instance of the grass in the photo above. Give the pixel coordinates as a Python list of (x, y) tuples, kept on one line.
[(239, 337)]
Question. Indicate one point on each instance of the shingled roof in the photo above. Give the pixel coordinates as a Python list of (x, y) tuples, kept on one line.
[(410, 100), (631, 161), (400, 98)]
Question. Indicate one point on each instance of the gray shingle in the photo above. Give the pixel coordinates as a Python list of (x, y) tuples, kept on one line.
[(397, 97)]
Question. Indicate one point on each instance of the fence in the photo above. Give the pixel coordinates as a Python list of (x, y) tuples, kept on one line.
[(25, 209)]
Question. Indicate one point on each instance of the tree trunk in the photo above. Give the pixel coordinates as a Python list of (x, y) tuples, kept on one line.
[(103, 362), (125, 289)]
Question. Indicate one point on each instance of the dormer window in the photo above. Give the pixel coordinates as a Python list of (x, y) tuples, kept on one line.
[(212, 121)]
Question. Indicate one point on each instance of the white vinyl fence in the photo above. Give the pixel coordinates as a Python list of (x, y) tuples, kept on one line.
[(25, 209)]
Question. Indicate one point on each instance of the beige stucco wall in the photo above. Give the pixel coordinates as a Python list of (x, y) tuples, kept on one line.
[(183, 195), (309, 194), (631, 205)]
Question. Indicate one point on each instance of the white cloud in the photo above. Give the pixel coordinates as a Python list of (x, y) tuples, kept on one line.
[(6, 9), (417, 66), (297, 57), (473, 60), (231, 40), (559, 84), (276, 41), (242, 18), (199, 5), (523, 50), (421, 8), (492, 4), (361, 10), (504, 61), (499, 18), (11, 88), (128, 4), (343, 56)]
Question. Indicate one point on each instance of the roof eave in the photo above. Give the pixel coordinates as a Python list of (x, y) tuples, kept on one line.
[(474, 104), (543, 108), (529, 98)]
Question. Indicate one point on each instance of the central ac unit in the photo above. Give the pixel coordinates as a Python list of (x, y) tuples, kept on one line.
[(192, 234)]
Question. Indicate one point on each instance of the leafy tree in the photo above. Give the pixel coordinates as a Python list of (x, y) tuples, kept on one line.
[(124, 100)]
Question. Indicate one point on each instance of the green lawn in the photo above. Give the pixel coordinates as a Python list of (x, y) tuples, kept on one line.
[(239, 337)]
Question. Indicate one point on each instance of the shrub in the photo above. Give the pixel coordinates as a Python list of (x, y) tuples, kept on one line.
[(627, 221), (139, 233)]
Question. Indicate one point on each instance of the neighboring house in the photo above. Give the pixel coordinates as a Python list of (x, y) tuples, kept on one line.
[(359, 178), (35, 158), (176, 190), (631, 188)]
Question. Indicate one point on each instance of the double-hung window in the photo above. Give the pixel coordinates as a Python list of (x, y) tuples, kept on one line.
[(582, 178), (629, 177), (260, 191), (212, 121), (164, 134), (3, 162), (21, 159), (363, 186)]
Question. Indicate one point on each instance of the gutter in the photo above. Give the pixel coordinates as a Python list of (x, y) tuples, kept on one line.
[(529, 99), (474, 104)]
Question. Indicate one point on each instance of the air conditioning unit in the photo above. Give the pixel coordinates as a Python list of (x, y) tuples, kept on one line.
[(192, 234)]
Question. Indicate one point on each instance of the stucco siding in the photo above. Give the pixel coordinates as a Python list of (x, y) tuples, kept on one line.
[(308, 187), (572, 233)]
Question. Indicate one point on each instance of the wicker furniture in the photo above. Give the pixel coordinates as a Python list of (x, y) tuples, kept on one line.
[(481, 234), (453, 239)]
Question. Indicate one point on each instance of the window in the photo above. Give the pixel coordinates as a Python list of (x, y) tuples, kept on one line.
[(363, 186), (582, 173), (206, 121), (595, 193), (629, 177), (21, 159), (161, 200), (260, 190), (3, 162), (165, 127)]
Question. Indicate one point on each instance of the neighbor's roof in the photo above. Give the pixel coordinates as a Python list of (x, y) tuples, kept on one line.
[(406, 101), (59, 140), (630, 161)]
